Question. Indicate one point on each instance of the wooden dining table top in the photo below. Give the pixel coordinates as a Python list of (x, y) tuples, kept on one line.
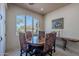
[(41, 42)]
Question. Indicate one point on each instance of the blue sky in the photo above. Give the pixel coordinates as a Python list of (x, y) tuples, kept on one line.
[(23, 18)]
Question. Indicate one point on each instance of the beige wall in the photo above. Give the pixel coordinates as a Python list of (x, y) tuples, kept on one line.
[(12, 12), (71, 23), (71, 20)]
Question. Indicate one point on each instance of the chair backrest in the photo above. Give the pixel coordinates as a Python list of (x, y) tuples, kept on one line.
[(22, 40), (28, 35), (54, 34), (41, 34), (50, 38)]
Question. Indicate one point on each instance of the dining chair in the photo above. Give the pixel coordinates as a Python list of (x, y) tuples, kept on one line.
[(49, 43), (54, 41), (28, 35), (23, 44), (41, 34)]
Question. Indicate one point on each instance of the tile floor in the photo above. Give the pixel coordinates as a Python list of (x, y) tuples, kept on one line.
[(59, 52)]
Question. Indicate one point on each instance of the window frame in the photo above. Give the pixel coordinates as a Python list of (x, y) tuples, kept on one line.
[(26, 24)]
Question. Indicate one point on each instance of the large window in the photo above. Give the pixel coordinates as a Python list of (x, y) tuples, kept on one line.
[(27, 23), (20, 24)]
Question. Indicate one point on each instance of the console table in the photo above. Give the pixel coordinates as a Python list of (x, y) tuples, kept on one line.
[(66, 39)]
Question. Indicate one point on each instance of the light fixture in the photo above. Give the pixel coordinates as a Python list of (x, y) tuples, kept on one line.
[(42, 9)]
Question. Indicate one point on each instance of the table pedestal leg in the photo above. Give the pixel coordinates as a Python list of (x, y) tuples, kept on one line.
[(65, 44)]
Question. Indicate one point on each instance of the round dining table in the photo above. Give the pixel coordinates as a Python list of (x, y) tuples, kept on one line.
[(36, 44)]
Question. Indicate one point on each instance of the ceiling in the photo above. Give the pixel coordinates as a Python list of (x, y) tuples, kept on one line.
[(41, 8)]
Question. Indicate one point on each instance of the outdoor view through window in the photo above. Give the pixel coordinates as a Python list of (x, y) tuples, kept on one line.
[(27, 23)]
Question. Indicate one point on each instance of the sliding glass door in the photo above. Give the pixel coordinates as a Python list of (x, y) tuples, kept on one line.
[(20, 24), (27, 23)]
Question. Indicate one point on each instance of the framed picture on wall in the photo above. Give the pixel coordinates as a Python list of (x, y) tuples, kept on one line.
[(58, 23)]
